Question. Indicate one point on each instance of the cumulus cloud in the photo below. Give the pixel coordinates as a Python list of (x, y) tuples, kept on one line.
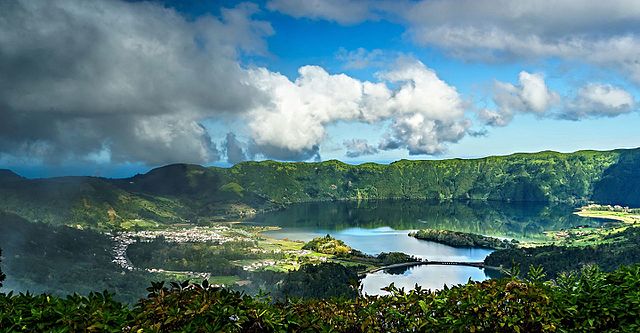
[(359, 147), (599, 100), (422, 135), (234, 149), (425, 112), (299, 110), (129, 81), (531, 95)]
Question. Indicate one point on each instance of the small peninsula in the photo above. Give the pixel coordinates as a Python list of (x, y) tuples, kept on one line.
[(462, 239)]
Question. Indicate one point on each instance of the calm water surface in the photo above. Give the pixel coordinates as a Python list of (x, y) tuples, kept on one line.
[(383, 226), (386, 239), (428, 277)]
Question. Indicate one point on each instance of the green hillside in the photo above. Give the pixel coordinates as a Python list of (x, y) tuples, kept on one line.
[(84, 201), (544, 176), (180, 192)]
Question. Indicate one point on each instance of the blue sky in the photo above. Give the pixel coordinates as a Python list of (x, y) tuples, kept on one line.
[(218, 82)]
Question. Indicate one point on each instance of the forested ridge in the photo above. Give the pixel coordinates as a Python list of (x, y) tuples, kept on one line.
[(181, 192), (462, 239)]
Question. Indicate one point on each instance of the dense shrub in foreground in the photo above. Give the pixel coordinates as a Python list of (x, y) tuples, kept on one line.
[(592, 301)]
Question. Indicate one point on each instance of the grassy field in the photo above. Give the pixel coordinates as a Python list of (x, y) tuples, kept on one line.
[(630, 218), (618, 221)]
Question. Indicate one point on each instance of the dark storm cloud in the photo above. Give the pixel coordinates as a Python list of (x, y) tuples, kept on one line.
[(119, 81)]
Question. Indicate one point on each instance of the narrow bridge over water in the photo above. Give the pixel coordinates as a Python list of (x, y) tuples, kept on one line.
[(479, 264)]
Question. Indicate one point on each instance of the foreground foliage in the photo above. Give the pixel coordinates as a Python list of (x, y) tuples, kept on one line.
[(591, 301)]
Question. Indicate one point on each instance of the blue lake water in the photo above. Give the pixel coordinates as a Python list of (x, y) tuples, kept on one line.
[(386, 239), (383, 226), (428, 277)]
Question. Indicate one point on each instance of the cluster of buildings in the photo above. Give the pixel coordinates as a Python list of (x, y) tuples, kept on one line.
[(184, 235), (215, 234), (199, 275), (122, 240)]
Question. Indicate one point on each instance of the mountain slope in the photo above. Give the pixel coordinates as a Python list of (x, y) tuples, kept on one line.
[(181, 192), (545, 176), (85, 201)]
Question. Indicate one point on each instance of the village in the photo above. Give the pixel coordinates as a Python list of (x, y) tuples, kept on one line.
[(271, 254)]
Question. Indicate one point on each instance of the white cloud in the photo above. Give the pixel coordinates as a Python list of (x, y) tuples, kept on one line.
[(421, 91), (296, 117), (425, 112), (599, 100), (531, 95)]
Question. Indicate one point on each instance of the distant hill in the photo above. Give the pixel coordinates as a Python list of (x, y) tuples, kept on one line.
[(182, 192), (607, 176), (8, 175)]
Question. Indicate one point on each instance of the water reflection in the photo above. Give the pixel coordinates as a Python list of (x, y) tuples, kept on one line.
[(385, 239), (524, 221), (382, 226), (428, 277)]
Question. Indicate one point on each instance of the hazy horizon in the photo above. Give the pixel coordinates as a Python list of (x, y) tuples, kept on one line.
[(124, 172)]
